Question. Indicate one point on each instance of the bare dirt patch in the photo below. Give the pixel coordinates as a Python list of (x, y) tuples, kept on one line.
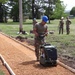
[(3, 68), (23, 61)]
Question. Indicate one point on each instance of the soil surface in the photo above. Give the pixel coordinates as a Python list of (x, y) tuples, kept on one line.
[(23, 61), (3, 68), (68, 60)]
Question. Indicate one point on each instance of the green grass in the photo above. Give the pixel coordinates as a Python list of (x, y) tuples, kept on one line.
[(1, 72), (64, 43)]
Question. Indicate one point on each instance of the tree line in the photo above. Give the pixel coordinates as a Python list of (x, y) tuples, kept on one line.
[(54, 9)]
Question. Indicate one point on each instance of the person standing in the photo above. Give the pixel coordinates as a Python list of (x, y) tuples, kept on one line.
[(68, 22), (40, 29), (61, 25)]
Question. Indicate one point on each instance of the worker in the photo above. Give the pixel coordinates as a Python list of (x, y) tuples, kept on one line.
[(61, 25), (40, 29), (68, 22)]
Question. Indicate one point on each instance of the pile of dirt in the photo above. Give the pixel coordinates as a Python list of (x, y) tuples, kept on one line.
[(25, 39), (20, 38)]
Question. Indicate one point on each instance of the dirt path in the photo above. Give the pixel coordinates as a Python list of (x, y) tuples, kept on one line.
[(23, 61), (2, 68)]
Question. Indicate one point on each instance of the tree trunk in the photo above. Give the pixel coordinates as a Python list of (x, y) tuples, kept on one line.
[(1, 13), (49, 11), (33, 16)]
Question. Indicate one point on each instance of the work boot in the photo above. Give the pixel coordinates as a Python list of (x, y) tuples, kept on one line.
[(37, 58)]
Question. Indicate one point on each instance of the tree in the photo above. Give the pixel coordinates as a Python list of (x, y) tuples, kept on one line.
[(14, 13), (59, 9), (35, 6), (33, 16), (72, 12), (49, 9), (3, 1), (3, 11)]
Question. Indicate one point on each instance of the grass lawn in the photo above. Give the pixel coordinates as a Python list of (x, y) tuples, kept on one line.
[(64, 43), (1, 72)]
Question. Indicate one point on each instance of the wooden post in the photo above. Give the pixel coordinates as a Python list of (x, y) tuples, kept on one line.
[(20, 16)]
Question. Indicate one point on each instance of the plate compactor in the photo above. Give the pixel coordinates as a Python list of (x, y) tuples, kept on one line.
[(48, 54)]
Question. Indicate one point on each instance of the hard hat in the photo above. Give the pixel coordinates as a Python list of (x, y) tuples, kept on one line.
[(45, 18), (62, 17), (34, 19), (67, 17)]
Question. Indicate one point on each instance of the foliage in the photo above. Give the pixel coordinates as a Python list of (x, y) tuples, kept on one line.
[(51, 8), (3, 11), (59, 9), (15, 9), (3, 1), (15, 13), (1, 72), (72, 12)]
